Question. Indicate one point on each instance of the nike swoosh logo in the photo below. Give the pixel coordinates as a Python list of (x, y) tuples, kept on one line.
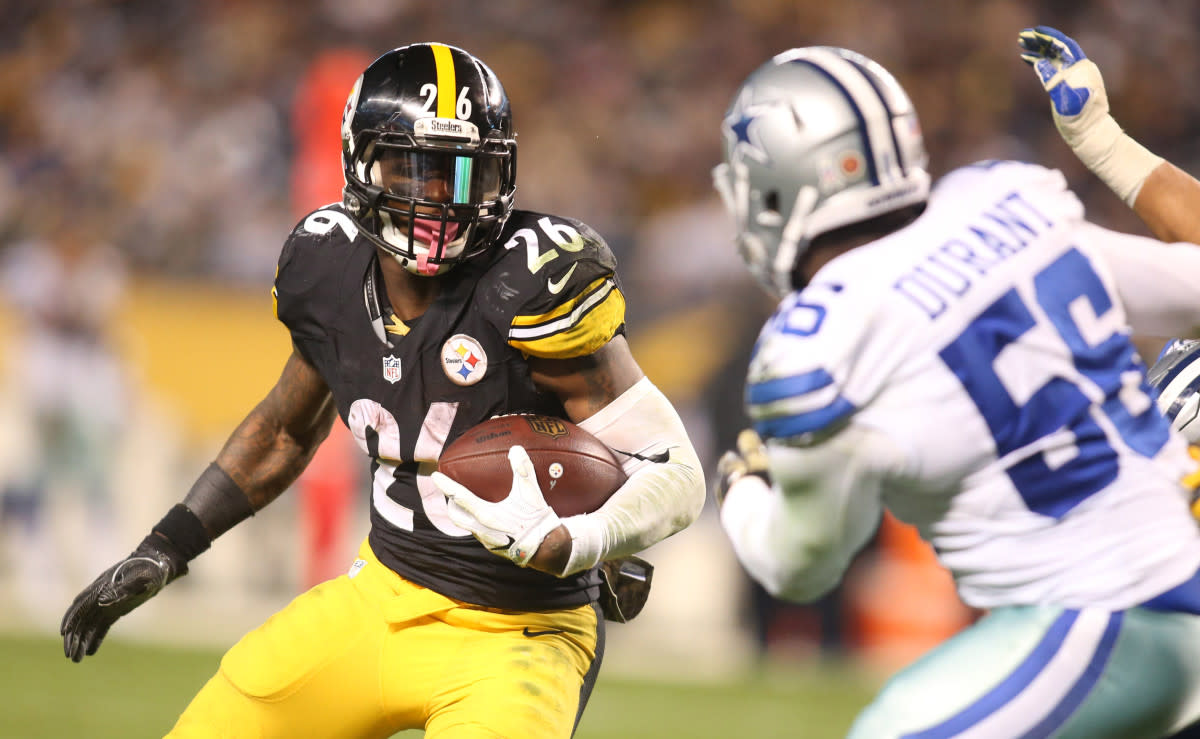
[(548, 632), (658, 458), (556, 287)]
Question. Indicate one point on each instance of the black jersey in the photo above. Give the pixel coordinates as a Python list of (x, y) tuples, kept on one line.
[(548, 290)]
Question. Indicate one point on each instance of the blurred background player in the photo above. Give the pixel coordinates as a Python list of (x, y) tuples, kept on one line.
[(960, 355), (65, 284), (419, 306)]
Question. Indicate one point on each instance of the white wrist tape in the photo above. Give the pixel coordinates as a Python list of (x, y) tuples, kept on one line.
[(665, 490), (1120, 162)]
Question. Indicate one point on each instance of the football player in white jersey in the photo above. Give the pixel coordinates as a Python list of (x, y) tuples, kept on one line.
[(960, 354)]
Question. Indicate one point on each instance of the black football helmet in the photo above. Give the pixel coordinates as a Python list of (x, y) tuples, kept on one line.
[(429, 156)]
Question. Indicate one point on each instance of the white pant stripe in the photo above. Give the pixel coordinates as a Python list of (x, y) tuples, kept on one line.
[(1047, 690)]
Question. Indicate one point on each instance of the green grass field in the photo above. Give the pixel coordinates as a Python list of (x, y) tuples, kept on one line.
[(134, 691)]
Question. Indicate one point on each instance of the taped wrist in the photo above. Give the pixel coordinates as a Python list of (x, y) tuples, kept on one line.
[(180, 535), (217, 502), (665, 490), (1120, 162)]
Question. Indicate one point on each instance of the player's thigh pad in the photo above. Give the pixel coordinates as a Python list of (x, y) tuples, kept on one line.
[(311, 670), (1046, 672), (514, 674)]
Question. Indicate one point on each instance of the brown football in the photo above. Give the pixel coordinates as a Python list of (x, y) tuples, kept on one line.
[(576, 471)]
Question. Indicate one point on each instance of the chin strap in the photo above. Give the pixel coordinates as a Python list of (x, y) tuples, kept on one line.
[(371, 300)]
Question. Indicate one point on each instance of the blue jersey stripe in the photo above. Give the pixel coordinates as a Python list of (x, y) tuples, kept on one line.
[(803, 423), (1083, 686), (1009, 688), (1183, 598), (782, 388)]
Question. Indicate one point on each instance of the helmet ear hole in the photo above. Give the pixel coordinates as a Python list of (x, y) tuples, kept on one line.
[(771, 201)]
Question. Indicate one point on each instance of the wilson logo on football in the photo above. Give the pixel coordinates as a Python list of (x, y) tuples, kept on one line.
[(547, 426), (463, 360)]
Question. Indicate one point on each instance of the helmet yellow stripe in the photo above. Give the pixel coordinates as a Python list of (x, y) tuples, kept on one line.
[(446, 83)]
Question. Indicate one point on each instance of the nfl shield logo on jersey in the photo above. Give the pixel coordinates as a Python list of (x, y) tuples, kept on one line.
[(463, 360), (391, 368)]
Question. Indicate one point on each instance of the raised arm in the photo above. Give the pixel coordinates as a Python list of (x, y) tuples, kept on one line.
[(1169, 204), (263, 456), (1166, 198)]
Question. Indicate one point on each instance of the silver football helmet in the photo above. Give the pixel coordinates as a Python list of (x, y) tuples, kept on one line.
[(1176, 379), (815, 139)]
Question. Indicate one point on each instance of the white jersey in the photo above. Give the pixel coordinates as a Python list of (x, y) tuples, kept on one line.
[(973, 373)]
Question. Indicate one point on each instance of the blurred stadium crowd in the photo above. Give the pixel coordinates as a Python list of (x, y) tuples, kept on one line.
[(171, 123), (190, 135)]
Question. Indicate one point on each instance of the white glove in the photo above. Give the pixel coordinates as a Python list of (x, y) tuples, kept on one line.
[(512, 528), (1079, 105)]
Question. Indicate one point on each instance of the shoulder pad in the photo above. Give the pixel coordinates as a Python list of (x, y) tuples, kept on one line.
[(314, 259), (966, 189), (553, 289), (804, 374)]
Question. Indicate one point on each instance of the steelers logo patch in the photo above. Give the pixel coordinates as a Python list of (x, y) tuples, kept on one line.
[(463, 360)]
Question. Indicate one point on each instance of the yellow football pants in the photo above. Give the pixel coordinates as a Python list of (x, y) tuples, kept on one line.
[(371, 654)]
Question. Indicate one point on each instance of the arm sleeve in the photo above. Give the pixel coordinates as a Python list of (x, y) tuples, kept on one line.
[(665, 490), (797, 536), (1159, 283)]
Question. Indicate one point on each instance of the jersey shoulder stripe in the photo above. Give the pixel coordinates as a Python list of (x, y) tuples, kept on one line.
[(575, 328), (552, 289), (797, 404)]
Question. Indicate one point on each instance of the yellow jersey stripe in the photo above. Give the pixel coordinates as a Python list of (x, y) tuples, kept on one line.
[(566, 307), (584, 330), (443, 60)]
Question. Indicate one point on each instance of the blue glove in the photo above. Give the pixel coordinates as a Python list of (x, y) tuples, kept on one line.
[(1079, 105), (1051, 52)]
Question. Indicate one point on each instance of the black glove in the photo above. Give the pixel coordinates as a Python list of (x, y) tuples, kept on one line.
[(121, 588), (750, 458), (625, 587)]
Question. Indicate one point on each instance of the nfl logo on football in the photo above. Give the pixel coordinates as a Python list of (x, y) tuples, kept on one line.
[(547, 426), (391, 368)]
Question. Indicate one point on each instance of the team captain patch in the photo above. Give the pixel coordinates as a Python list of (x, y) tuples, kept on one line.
[(463, 360)]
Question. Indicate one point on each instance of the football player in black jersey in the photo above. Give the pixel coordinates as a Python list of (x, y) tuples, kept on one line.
[(419, 306)]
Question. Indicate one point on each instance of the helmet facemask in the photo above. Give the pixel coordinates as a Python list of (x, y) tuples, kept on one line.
[(432, 207), (770, 239)]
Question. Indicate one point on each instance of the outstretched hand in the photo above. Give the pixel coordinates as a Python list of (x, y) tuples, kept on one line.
[(119, 589), (1079, 105), (1077, 96)]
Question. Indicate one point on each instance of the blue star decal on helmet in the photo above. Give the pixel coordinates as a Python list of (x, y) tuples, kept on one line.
[(739, 126)]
